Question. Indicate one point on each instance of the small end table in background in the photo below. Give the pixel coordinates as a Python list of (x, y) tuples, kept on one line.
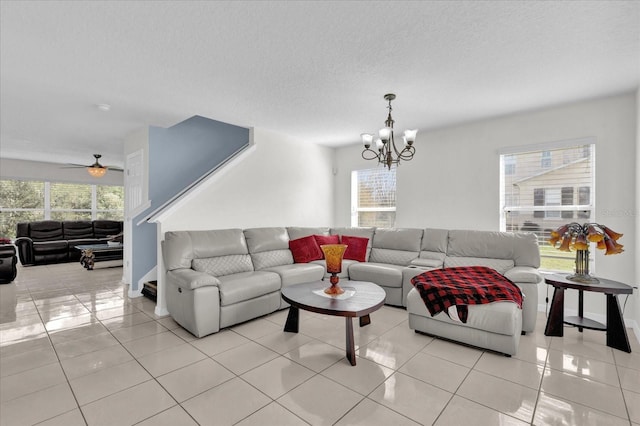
[(616, 332)]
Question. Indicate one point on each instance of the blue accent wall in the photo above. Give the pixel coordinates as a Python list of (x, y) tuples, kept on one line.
[(178, 156)]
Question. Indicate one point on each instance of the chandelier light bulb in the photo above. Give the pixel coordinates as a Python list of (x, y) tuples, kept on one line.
[(410, 136), (379, 144), (385, 134), (366, 139)]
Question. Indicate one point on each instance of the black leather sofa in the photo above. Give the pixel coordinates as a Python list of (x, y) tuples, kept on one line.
[(52, 241)]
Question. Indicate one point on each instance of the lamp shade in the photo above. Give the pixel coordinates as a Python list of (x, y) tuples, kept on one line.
[(97, 172), (366, 139), (385, 134), (410, 136)]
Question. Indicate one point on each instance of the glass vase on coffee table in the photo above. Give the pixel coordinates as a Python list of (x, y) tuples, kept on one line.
[(333, 254)]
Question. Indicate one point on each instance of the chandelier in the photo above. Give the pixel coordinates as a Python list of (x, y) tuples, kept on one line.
[(388, 154)]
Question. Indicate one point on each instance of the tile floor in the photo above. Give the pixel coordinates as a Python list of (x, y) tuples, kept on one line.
[(74, 350)]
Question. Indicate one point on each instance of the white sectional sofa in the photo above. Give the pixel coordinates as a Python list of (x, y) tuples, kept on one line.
[(218, 278)]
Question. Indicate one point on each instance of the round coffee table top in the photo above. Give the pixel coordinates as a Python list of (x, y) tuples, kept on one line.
[(360, 298)]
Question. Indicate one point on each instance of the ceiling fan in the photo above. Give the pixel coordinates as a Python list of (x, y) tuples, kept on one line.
[(96, 169)]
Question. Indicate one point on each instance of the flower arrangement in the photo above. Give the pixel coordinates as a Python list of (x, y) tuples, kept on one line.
[(577, 237)]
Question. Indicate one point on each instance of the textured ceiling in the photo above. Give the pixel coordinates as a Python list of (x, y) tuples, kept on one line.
[(314, 70)]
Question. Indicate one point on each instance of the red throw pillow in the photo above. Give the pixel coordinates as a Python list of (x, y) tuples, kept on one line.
[(305, 249), (326, 239), (356, 248)]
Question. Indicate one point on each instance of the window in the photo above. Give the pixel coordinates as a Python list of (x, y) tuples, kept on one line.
[(509, 164), (549, 186), (26, 201), (373, 197)]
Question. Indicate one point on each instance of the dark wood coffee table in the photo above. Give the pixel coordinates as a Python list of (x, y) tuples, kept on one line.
[(367, 297), (616, 332)]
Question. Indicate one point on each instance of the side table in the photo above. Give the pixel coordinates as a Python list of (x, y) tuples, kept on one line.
[(616, 333)]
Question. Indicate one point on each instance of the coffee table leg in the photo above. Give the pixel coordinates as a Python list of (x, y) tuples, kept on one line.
[(365, 320), (555, 321), (292, 320), (616, 333), (351, 351)]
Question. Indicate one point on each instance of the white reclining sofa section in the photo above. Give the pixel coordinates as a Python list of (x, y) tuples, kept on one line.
[(218, 278)]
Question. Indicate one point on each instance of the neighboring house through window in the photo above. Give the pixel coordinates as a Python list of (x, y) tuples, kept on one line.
[(373, 197), (545, 186)]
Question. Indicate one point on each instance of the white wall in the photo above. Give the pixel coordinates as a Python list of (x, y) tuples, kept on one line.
[(637, 215), (282, 183), (453, 181)]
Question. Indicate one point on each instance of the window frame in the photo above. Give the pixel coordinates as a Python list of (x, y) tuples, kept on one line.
[(356, 209), (514, 218)]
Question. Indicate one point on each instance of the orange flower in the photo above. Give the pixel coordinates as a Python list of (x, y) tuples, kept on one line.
[(601, 245), (565, 243), (612, 246), (581, 243), (611, 233), (593, 235)]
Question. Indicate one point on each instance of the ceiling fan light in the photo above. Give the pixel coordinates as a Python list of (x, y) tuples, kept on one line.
[(97, 172)]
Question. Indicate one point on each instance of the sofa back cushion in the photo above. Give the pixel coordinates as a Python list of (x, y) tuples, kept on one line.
[(434, 244), (500, 265), (356, 232), (180, 248), (522, 249), (224, 265), (297, 232), (268, 247), (106, 228), (46, 230), (77, 229), (398, 246)]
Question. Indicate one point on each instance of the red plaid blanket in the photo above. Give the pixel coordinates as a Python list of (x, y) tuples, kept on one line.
[(462, 286)]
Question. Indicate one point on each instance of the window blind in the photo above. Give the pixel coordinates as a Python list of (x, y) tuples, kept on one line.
[(541, 190)]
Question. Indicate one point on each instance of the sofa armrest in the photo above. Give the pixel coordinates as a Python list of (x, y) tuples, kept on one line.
[(25, 250), (190, 279), (524, 274)]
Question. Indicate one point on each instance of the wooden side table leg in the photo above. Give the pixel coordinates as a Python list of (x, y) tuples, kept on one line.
[(292, 320), (350, 343), (365, 320), (556, 314), (616, 332)]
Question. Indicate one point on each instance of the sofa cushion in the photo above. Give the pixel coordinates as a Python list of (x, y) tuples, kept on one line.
[(406, 239), (247, 285), (77, 230), (46, 230), (500, 265), (382, 274), (496, 317), (50, 247), (298, 273), (305, 249), (394, 257), (296, 232), (356, 247), (106, 228), (357, 232), (326, 239), (271, 258), (224, 265), (266, 239)]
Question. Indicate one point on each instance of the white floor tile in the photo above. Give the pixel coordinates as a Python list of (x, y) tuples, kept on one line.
[(226, 404)]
